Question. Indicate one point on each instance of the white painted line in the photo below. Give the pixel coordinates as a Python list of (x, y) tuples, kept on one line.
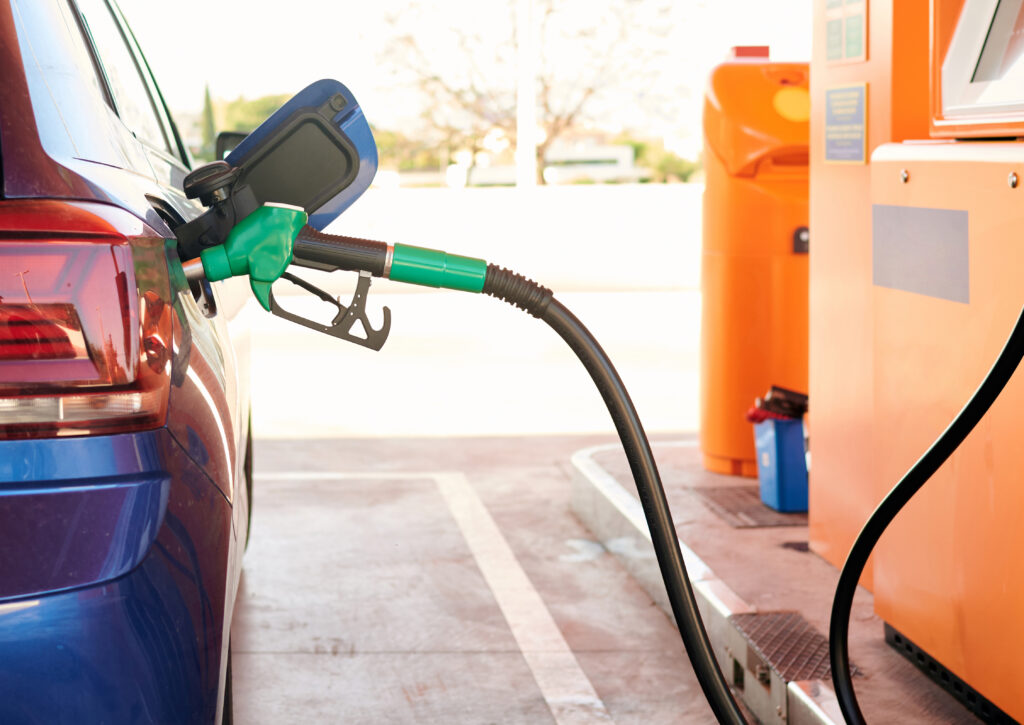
[(569, 694), (565, 687)]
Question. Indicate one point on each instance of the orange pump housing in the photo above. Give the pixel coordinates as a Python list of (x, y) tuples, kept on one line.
[(948, 573), (754, 266), (894, 353)]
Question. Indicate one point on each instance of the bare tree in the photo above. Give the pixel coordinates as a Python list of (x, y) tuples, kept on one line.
[(595, 56)]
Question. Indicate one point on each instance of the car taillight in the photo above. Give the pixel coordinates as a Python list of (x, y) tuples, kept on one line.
[(85, 321)]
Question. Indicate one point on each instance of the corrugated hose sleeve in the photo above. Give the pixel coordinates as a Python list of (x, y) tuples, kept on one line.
[(517, 290)]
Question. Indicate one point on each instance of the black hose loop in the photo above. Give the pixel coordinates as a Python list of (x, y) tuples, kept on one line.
[(517, 290), (839, 627)]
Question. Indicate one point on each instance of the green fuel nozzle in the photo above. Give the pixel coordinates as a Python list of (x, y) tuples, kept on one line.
[(259, 246), (274, 236)]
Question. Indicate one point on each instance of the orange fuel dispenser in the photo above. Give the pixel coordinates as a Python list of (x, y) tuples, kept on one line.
[(754, 269), (890, 66), (947, 219), (916, 279)]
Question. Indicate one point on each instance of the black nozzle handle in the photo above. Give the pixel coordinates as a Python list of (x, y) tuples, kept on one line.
[(328, 252)]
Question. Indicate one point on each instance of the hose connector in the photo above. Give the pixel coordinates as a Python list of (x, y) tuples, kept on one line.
[(434, 268)]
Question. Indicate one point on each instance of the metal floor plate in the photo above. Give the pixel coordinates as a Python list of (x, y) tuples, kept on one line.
[(741, 507), (787, 643)]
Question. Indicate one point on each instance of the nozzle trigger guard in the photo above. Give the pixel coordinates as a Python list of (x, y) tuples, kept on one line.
[(342, 324)]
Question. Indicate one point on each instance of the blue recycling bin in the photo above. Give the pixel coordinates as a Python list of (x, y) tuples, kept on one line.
[(781, 464)]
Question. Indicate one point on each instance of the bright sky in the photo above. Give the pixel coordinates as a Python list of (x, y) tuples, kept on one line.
[(258, 47)]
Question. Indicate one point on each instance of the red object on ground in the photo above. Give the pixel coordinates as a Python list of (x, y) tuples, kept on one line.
[(759, 415)]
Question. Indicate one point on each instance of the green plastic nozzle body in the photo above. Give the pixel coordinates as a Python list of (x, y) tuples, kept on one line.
[(259, 246)]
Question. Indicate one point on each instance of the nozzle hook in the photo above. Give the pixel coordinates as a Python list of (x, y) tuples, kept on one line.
[(342, 324)]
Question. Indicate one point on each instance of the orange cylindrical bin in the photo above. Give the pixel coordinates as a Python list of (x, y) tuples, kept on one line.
[(754, 269)]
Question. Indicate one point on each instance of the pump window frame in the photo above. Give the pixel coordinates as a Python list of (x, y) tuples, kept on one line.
[(963, 99)]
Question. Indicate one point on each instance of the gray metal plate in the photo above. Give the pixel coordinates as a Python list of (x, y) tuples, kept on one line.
[(787, 643), (741, 507)]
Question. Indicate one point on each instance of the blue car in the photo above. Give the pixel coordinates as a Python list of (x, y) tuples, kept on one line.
[(125, 447)]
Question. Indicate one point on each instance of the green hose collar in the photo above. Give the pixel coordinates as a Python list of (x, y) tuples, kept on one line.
[(433, 268)]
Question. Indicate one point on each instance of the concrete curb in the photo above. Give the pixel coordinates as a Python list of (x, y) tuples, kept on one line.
[(616, 518)]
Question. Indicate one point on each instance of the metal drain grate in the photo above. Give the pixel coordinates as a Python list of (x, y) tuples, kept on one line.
[(787, 643), (741, 507)]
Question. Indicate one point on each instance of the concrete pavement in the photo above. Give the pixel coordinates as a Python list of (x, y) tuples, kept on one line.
[(365, 600)]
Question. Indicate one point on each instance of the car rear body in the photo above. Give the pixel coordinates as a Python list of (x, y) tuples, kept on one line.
[(123, 392)]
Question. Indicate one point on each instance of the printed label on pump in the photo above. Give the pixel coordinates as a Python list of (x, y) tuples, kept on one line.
[(846, 124), (846, 31)]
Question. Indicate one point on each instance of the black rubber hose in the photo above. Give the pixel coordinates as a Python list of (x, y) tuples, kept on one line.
[(539, 302), (897, 498)]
